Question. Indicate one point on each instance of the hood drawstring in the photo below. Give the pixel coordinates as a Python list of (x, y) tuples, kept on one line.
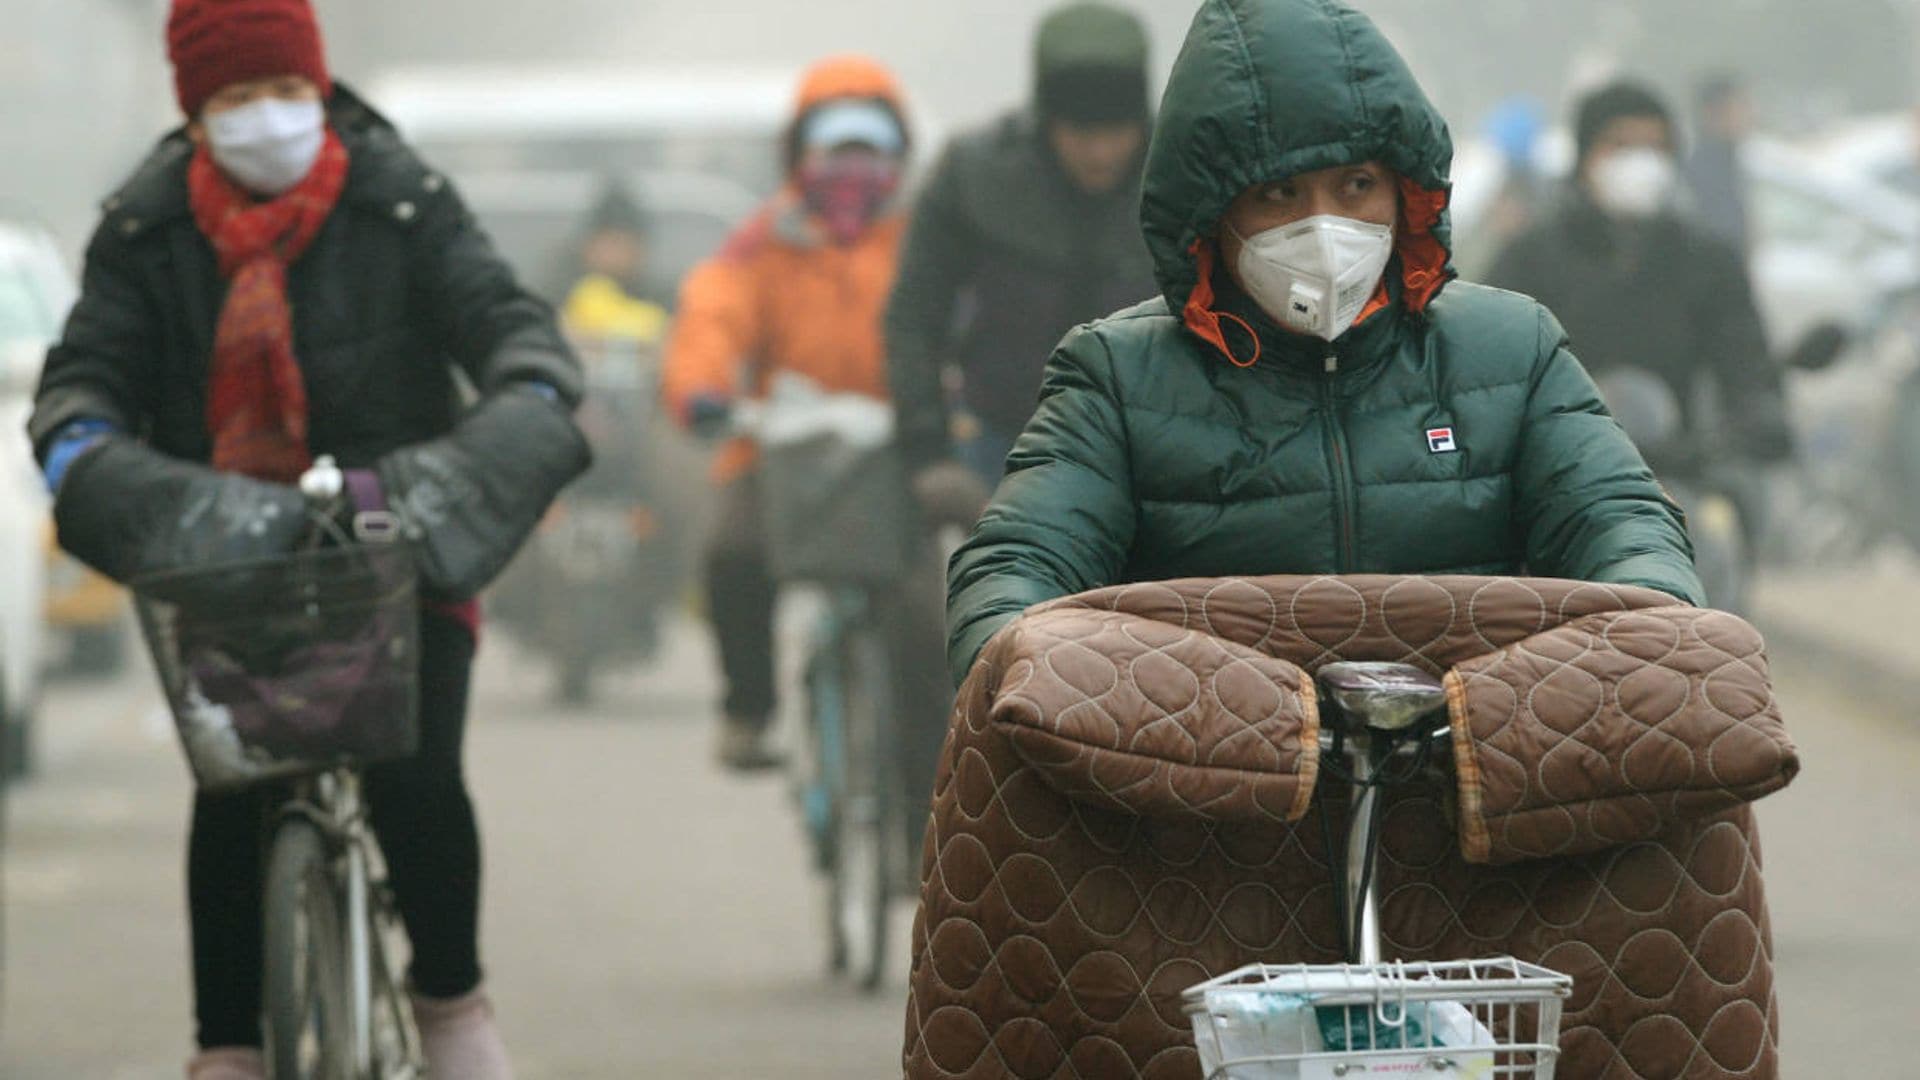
[(1203, 320)]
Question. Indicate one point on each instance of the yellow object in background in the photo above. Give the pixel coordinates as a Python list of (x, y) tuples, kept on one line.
[(599, 308)]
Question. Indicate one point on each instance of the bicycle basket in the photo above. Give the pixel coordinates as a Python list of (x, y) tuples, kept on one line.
[(835, 511), (288, 666), (1475, 1019)]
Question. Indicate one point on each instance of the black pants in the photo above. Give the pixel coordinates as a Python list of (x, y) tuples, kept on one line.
[(740, 598), (425, 824)]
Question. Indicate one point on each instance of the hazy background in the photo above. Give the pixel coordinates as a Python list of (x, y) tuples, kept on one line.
[(84, 84), (650, 916)]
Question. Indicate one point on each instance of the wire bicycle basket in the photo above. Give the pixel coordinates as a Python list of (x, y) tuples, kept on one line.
[(1477, 1019), (288, 666)]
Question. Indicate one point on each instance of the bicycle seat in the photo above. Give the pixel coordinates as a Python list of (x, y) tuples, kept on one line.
[(1381, 697)]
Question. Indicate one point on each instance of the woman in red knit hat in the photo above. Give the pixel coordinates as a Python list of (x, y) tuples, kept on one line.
[(283, 278)]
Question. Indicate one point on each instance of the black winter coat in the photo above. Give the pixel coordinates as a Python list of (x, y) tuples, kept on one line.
[(399, 289), (1003, 257), (1667, 297)]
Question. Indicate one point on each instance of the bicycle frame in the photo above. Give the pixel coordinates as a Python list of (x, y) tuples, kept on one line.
[(1363, 844), (843, 788)]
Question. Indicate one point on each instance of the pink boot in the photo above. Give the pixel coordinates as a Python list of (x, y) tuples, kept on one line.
[(227, 1063), (460, 1038)]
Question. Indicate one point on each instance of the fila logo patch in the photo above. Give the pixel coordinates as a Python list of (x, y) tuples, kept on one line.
[(1440, 441)]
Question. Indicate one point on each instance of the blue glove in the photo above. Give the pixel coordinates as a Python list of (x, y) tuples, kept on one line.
[(546, 390), (69, 444)]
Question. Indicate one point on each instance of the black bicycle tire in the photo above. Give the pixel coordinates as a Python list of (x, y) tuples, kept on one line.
[(870, 703), (300, 857), (825, 668)]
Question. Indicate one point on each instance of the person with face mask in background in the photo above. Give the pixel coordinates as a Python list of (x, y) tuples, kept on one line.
[(283, 278), (1642, 286), (797, 290), (1025, 228)]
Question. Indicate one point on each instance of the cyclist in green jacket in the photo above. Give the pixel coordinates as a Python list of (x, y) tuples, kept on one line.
[(1312, 392)]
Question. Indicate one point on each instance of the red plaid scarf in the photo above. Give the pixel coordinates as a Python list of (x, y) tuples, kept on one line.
[(256, 395)]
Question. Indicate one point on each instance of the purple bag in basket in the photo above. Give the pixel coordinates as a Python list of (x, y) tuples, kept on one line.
[(319, 702)]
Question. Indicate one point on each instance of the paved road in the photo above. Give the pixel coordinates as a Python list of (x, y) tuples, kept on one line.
[(648, 917)]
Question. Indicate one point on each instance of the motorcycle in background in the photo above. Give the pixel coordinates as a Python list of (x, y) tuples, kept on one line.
[(592, 587)]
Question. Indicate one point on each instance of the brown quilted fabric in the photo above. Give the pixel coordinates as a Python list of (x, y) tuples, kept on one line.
[(1070, 894), (1612, 729), (1159, 721)]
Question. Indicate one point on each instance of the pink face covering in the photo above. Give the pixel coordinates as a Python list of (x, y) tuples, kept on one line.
[(847, 192)]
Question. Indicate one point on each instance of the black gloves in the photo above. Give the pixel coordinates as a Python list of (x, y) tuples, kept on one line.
[(468, 500)]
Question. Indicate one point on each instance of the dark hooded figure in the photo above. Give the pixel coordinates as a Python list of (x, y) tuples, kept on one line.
[(1025, 229)]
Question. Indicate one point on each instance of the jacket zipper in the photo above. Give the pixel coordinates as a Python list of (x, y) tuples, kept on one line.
[(1343, 494)]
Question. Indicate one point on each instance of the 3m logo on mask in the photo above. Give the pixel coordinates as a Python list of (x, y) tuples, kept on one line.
[(1316, 275), (1440, 441)]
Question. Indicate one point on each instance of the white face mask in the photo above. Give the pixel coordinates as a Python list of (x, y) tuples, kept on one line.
[(1635, 184), (268, 146), (1317, 274)]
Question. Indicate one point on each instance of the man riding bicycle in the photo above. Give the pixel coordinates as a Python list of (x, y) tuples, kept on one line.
[(282, 279), (1024, 229)]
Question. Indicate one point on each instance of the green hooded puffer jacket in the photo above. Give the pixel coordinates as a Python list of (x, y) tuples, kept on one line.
[(1448, 433)]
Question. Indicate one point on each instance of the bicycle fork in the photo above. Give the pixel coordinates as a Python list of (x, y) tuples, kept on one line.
[(1361, 903)]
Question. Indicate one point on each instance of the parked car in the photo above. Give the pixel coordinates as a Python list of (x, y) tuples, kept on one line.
[(36, 290), (1885, 147), (1831, 239)]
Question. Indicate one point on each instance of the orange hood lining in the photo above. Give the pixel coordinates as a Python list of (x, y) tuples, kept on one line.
[(1423, 272)]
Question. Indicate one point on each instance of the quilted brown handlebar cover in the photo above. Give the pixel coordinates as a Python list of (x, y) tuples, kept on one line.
[(1610, 730), (1108, 830), (1138, 716)]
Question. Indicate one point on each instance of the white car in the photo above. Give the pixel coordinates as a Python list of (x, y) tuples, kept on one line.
[(36, 290), (1885, 147), (1831, 239)]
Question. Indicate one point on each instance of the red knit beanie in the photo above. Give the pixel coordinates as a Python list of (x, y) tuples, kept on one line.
[(216, 43)]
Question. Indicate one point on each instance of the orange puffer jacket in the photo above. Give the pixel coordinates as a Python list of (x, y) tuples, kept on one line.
[(779, 296)]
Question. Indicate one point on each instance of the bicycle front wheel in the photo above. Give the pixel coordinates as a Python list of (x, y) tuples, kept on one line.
[(309, 1030)]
